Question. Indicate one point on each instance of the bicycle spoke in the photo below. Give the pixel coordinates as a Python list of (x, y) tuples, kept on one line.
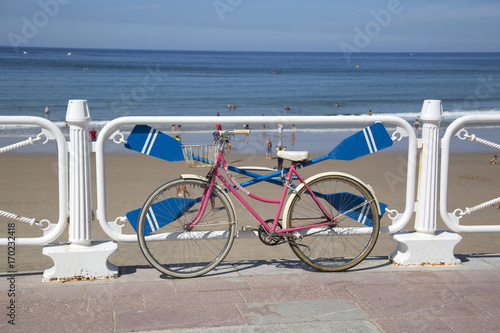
[(356, 223), (178, 248)]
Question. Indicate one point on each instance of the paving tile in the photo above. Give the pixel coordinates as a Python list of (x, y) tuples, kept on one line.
[(350, 278), (434, 277), (482, 276), (401, 300), (210, 284), (263, 296), (308, 292), (44, 292), (277, 281), (492, 260), (353, 326), (271, 267), (128, 288), (414, 324), (476, 324), (300, 311), (188, 299), (117, 303), (489, 303), (61, 315), (472, 289), (178, 317)]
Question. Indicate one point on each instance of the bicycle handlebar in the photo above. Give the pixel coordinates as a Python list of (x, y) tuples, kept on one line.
[(221, 134), (241, 131)]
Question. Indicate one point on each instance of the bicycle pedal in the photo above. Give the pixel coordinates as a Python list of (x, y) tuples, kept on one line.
[(297, 235)]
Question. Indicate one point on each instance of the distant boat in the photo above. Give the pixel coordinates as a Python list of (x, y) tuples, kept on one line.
[(69, 53), (25, 52), (275, 72)]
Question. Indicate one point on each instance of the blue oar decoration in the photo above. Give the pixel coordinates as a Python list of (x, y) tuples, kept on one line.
[(353, 206), (147, 140), (370, 140), (162, 213)]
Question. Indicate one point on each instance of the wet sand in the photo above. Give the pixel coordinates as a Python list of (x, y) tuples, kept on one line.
[(29, 187)]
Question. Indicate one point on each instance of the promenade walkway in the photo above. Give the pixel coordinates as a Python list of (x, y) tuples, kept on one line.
[(265, 296)]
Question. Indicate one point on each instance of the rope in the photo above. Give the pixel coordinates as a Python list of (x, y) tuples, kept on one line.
[(473, 138), (478, 207), (29, 141), (18, 218)]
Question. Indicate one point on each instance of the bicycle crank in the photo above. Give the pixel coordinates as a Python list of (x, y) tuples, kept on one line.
[(269, 239)]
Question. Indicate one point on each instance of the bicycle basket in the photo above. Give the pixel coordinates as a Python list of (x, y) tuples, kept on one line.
[(199, 156)]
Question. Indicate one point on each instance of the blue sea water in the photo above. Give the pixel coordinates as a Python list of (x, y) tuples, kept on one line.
[(199, 83)]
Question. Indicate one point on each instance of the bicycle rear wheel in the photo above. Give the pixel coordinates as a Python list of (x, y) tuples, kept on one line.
[(344, 243), (165, 239)]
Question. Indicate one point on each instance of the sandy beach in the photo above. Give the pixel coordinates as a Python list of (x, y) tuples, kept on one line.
[(29, 188)]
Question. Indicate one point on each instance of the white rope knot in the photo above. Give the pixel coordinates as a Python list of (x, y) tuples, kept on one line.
[(477, 207), (18, 217), (392, 213), (29, 141), (397, 136), (463, 135), (118, 138)]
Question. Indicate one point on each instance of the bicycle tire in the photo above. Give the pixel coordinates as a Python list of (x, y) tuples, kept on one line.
[(186, 253), (340, 247)]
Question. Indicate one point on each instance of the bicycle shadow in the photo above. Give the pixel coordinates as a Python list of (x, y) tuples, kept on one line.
[(261, 267)]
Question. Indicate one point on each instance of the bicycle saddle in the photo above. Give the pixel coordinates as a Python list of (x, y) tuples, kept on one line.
[(295, 156)]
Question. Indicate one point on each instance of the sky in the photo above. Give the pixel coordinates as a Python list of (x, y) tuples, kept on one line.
[(254, 25)]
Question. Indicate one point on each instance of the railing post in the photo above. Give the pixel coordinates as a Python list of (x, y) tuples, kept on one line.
[(426, 215), (81, 258), (80, 200), (427, 246)]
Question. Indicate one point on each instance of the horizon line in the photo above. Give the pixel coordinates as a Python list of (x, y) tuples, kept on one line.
[(235, 51)]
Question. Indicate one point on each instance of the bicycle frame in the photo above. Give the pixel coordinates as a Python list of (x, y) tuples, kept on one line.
[(214, 174)]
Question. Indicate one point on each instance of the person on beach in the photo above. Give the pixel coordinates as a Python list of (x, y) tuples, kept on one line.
[(280, 129), (416, 125), (370, 112), (47, 111), (182, 191), (269, 145), (93, 134), (493, 160), (234, 107), (228, 106)]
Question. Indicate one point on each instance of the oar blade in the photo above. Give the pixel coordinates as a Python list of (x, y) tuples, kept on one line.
[(354, 207), (162, 213), (367, 141), (149, 141)]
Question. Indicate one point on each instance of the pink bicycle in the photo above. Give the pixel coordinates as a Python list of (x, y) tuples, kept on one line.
[(187, 226)]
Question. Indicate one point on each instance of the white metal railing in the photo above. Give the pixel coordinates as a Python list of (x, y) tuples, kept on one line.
[(452, 220), (50, 131), (80, 229), (114, 228)]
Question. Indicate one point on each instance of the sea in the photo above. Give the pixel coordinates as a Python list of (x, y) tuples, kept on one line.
[(120, 83)]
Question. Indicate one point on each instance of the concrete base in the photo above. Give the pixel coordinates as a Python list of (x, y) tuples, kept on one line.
[(76, 262), (419, 249)]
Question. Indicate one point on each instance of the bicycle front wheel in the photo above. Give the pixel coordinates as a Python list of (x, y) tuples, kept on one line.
[(163, 233), (350, 230)]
